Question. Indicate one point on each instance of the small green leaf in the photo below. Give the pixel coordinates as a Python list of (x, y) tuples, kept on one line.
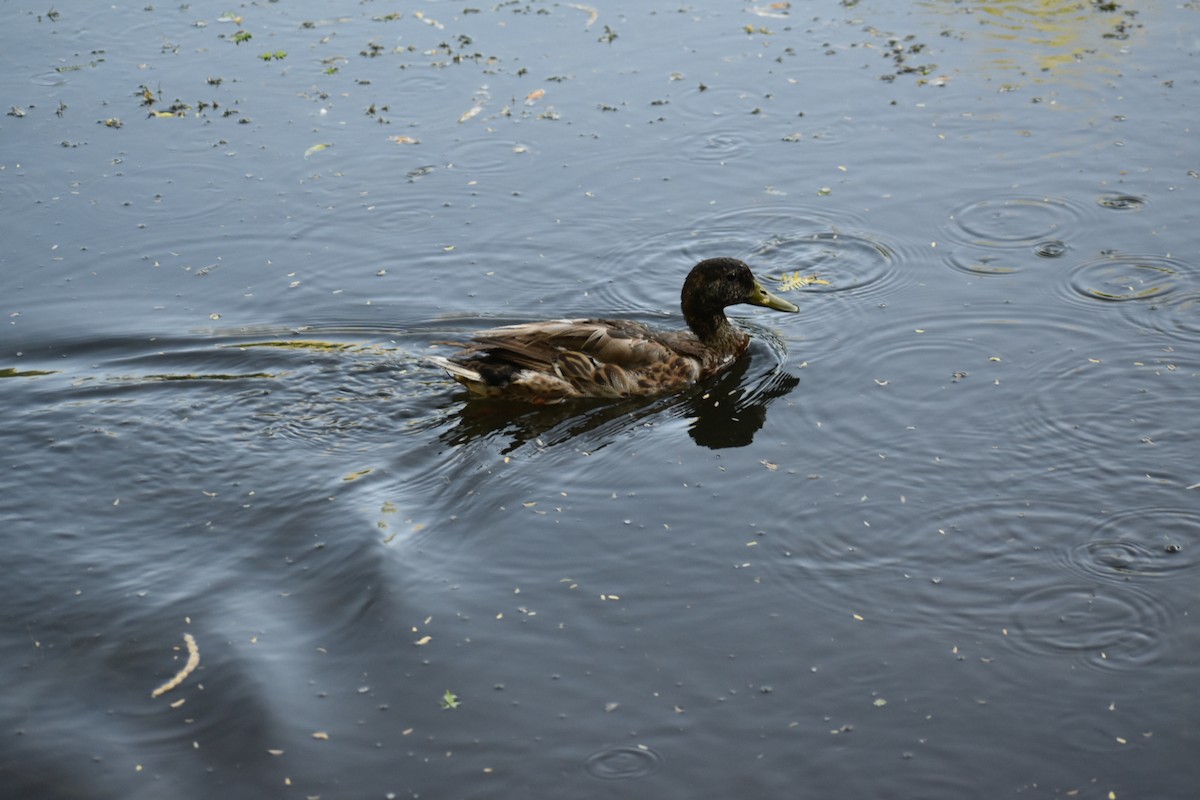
[(450, 700)]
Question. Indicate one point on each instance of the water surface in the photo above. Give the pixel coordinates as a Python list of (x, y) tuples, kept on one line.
[(936, 536)]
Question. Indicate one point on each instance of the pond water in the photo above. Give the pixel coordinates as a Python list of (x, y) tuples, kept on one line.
[(936, 536)]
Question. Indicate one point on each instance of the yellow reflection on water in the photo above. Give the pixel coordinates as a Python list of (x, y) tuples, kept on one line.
[(1045, 36)]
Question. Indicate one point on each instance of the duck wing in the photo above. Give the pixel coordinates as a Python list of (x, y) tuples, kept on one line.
[(537, 345), (583, 358)]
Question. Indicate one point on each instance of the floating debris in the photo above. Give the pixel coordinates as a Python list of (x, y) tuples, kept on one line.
[(771, 10), (297, 344), (188, 668), (11, 372), (592, 13), (428, 20), (793, 281)]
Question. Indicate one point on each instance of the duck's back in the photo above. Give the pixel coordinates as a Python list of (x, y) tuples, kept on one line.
[(558, 359)]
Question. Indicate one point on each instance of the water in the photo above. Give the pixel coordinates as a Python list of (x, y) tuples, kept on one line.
[(936, 536)]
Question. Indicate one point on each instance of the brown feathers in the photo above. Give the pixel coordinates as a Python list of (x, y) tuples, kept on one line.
[(567, 358)]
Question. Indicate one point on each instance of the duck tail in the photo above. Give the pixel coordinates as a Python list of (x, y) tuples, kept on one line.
[(460, 373)]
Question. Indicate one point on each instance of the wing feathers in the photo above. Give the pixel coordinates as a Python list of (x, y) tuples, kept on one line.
[(553, 360)]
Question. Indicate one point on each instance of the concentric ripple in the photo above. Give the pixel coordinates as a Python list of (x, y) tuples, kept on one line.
[(997, 236), (623, 763), (1120, 277), (1140, 543), (847, 260), (1156, 292), (1121, 402), (1179, 316), (716, 147), (778, 242), (1013, 221), (1109, 627)]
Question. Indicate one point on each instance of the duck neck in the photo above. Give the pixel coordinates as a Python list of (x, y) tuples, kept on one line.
[(715, 330)]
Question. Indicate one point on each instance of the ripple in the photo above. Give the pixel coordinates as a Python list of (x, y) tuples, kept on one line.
[(1013, 221), (1111, 406), (848, 260), (977, 262), (777, 240), (1139, 543), (1051, 248), (1118, 628), (712, 145), (488, 155), (950, 566), (721, 147), (1122, 277), (1149, 292), (907, 368), (1179, 316), (698, 104), (995, 236), (623, 763), (1121, 202)]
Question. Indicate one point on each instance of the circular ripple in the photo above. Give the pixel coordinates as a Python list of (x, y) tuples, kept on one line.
[(715, 147), (1013, 221), (995, 236), (785, 240), (1120, 202), (1111, 420), (981, 262), (978, 359), (774, 241), (1179, 316), (1109, 627), (1118, 558), (846, 259), (1122, 277), (623, 763), (483, 155), (1140, 543), (1051, 248)]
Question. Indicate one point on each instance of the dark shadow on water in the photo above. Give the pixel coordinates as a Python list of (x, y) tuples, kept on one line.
[(726, 412), (731, 412)]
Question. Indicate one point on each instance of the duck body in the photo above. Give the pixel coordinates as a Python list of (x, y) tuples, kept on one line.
[(556, 360)]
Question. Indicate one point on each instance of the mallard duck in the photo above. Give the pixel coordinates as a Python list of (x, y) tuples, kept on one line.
[(546, 362)]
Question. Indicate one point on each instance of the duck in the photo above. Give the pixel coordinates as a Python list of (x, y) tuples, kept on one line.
[(555, 360)]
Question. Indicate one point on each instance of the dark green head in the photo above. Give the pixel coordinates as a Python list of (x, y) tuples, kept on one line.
[(716, 283)]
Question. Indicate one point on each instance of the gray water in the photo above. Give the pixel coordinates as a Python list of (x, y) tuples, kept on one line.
[(936, 536)]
